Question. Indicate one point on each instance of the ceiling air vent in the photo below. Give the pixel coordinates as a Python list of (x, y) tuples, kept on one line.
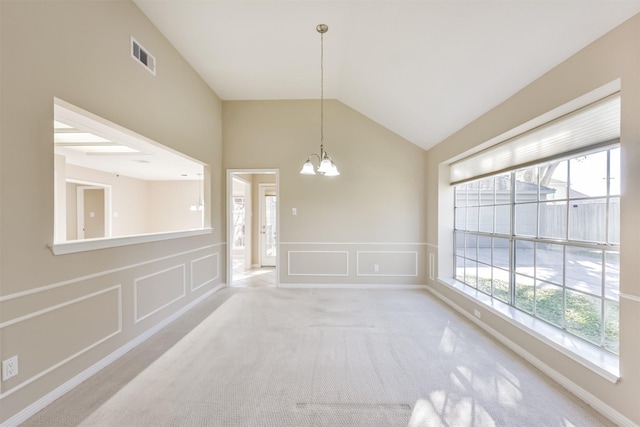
[(142, 56)]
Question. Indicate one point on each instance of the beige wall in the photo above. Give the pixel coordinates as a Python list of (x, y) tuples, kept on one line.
[(129, 198), (72, 211), (170, 203), (614, 56), (375, 205), (82, 304)]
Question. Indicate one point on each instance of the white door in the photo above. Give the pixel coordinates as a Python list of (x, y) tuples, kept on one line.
[(94, 225), (268, 238)]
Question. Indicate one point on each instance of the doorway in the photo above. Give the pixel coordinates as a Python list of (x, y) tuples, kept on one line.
[(88, 210), (252, 227), (91, 224)]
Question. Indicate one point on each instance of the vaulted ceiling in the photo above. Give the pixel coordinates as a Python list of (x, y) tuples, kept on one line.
[(421, 68)]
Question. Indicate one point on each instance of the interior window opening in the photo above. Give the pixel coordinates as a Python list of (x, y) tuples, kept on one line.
[(112, 183)]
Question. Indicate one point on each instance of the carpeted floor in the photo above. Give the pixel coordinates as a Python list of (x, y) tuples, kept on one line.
[(278, 357)]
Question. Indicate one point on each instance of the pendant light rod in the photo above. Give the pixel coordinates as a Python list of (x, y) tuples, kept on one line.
[(322, 28)]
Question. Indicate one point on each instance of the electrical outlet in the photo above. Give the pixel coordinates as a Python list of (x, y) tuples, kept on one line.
[(477, 314), (376, 268), (9, 368)]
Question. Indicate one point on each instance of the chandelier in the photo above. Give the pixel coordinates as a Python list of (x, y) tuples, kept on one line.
[(326, 166)]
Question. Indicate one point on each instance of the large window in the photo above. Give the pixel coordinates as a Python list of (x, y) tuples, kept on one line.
[(545, 240)]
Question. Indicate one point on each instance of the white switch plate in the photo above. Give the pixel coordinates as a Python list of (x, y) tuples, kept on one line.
[(294, 211), (9, 368)]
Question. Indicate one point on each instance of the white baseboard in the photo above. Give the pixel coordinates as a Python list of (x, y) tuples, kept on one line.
[(348, 286), (597, 404), (41, 403)]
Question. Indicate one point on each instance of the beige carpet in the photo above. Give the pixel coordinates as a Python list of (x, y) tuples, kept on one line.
[(277, 357)]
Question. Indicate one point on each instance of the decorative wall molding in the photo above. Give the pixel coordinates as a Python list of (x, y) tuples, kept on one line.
[(432, 266), (413, 255), (117, 310), (357, 243), (49, 398), (194, 263), (102, 273), (137, 286), (318, 273), (373, 287)]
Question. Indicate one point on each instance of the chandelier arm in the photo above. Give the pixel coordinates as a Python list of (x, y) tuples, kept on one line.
[(314, 154)]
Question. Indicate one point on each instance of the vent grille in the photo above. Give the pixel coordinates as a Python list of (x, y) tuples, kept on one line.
[(142, 56)]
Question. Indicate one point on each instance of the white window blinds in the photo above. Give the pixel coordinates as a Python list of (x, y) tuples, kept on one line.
[(595, 124)]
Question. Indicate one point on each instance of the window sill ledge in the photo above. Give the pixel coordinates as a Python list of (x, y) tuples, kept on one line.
[(75, 246), (594, 358)]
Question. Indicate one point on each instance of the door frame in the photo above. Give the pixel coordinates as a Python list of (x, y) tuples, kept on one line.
[(229, 219), (87, 185)]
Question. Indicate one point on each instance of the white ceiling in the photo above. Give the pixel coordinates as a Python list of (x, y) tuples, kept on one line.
[(423, 69)]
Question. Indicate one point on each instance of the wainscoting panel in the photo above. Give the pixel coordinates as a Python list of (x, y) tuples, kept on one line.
[(204, 270), (353, 264), (318, 263), (153, 292), (66, 331), (387, 263), (65, 328), (433, 262)]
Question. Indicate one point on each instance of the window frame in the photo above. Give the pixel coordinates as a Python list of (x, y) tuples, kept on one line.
[(604, 248)]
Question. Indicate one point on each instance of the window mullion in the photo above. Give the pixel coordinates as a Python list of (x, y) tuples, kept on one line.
[(512, 244), (607, 200), (603, 320), (564, 287)]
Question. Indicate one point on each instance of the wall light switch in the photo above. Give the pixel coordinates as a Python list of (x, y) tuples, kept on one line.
[(294, 211)]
